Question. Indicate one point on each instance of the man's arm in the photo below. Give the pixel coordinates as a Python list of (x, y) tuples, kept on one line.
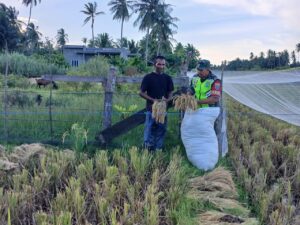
[(170, 96), (215, 96), (209, 100), (145, 96)]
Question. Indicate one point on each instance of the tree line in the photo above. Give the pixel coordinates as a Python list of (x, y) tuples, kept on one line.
[(153, 17), (270, 60)]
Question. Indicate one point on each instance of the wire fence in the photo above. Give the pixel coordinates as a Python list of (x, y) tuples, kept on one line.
[(44, 115)]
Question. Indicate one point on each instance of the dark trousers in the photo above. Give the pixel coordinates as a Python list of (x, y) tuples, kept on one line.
[(154, 133)]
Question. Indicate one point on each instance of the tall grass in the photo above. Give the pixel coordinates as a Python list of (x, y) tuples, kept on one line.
[(20, 64)]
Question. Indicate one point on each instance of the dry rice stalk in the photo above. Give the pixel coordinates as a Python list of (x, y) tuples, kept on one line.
[(218, 218), (159, 109), (200, 195), (229, 205), (185, 102), (217, 180)]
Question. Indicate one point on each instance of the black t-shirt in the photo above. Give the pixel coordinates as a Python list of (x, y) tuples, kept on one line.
[(156, 86)]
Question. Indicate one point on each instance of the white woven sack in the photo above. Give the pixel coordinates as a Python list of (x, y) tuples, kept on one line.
[(199, 137)]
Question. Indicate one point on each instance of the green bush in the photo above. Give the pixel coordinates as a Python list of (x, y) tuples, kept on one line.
[(97, 66), (28, 66), (14, 81), (17, 98), (56, 58)]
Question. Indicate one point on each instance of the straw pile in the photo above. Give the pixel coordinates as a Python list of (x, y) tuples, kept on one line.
[(218, 189)]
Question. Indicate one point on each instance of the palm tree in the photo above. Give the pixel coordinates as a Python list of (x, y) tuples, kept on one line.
[(91, 12), (193, 54), (10, 34), (33, 36), (104, 41), (162, 29), (61, 37), (133, 46), (120, 10), (148, 13), (84, 40), (31, 3)]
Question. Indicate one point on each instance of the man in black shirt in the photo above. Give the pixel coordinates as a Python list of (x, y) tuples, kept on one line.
[(154, 87)]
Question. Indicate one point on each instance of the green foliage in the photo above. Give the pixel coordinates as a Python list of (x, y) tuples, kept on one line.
[(20, 64), (15, 81), (78, 136), (18, 98), (97, 66), (53, 57), (10, 34), (125, 111)]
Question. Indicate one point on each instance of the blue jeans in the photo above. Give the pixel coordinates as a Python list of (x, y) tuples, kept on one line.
[(154, 133)]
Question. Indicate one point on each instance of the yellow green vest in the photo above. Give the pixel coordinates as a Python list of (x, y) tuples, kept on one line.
[(202, 88)]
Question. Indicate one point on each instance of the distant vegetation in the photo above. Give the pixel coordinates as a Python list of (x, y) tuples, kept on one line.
[(159, 25), (270, 60)]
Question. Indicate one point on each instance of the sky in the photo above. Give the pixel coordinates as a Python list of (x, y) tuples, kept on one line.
[(219, 29)]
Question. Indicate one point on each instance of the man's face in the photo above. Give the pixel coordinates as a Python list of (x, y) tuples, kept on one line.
[(203, 73), (160, 65)]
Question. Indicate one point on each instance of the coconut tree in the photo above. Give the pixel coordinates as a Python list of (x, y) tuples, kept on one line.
[(147, 17), (61, 37), (91, 12), (120, 10), (84, 40), (104, 41), (162, 29), (194, 55), (10, 35), (133, 46), (30, 3), (32, 36)]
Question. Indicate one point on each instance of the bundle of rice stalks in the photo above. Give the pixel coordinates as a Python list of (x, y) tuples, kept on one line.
[(159, 109), (217, 180), (185, 102), (218, 218)]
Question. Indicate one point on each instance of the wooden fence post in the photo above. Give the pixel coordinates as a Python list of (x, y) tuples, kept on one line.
[(183, 88), (109, 89)]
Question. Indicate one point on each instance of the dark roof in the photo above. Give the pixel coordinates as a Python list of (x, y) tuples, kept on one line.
[(85, 50), (74, 46)]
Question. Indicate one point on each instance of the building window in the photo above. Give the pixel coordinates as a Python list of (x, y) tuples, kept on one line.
[(74, 63)]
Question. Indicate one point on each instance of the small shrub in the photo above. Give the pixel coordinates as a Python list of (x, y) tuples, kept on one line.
[(78, 136), (17, 98), (97, 66)]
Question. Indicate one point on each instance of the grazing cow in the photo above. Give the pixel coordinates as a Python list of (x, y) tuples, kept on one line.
[(43, 82)]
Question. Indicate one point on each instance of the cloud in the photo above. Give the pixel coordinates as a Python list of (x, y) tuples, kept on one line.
[(287, 11), (25, 19), (241, 48)]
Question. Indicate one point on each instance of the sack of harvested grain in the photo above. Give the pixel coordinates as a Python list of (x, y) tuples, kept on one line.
[(199, 137)]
